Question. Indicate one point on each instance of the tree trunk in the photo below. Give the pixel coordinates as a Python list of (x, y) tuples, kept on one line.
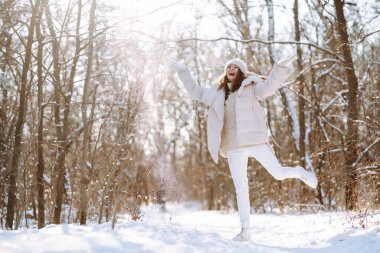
[(40, 140), (284, 96), (318, 129), (301, 89), (20, 122), (4, 124), (272, 57), (3, 139), (86, 122), (60, 168), (351, 194), (270, 10), (301, 101), (199, 122)]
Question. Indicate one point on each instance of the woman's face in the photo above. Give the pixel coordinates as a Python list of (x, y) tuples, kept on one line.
[(232, 72)]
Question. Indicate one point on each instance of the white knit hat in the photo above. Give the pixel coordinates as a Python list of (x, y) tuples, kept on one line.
[(242, 65)]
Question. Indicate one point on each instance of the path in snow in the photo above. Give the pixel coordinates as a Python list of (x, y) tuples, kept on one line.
[(183, 229)]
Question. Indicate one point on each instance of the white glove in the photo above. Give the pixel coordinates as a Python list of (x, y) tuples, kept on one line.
[(253, 79), (176, 66), (284, 62)]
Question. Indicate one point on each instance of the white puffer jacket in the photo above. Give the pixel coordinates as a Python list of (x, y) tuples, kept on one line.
[(250, 115)]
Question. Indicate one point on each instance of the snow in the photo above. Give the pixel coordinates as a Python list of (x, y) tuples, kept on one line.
[(294, 115), (187, 229), (47, 179)]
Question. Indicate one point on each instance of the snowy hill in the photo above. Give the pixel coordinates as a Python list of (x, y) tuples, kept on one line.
[(183, 229)]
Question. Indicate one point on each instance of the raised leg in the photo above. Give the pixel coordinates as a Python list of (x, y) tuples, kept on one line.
[(264, 155)]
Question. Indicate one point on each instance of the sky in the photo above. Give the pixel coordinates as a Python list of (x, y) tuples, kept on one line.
[(178, 16), (149, 16)]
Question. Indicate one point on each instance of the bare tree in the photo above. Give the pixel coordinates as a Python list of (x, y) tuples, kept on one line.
[(6, 45), (20, 119), (301, 88), (87, 120), (40, 141), (301, 101), (351, 154), (64, 136), (77, 139)]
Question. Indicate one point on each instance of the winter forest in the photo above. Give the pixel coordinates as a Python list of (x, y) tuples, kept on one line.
[(94, 126)]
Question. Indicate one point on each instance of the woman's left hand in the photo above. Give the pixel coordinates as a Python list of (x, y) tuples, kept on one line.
[(176, 66)]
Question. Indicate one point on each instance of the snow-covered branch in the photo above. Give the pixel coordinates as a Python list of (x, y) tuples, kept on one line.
[(332, 101), (365, 151)]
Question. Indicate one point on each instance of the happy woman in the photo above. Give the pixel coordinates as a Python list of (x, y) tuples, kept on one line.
[(237, 127)]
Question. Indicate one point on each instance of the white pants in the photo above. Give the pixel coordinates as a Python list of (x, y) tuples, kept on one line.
[(238, 162)]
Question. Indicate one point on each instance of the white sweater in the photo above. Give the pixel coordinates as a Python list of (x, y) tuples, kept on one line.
[(229, 132)]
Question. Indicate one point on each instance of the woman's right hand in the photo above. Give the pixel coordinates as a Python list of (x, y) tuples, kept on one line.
[(287, 60), (176, 66)]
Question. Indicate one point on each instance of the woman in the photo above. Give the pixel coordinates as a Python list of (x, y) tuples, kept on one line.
[(237, 126)]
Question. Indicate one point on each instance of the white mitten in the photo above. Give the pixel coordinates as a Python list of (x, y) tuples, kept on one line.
[(285, 62), (176, 66)]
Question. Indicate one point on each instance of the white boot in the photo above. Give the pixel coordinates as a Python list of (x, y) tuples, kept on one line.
[(308, 177), (244, 235)]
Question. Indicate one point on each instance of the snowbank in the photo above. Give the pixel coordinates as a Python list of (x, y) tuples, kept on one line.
[(183, 229)]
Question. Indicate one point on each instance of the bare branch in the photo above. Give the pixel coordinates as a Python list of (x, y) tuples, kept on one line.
[(366, 36), (264, 42), (365, 151)]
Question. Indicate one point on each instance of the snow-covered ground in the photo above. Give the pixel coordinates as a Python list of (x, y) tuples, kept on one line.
[(184, 229)]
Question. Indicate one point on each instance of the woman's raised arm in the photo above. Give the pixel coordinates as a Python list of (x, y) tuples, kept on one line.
[(205, 95), (275, 79)]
